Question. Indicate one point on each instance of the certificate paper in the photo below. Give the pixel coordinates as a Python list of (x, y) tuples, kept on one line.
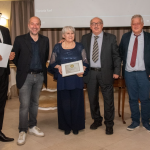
[(72, 68), (5, 52)]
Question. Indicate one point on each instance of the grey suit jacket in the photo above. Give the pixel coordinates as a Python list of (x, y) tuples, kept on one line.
[(110, 59)]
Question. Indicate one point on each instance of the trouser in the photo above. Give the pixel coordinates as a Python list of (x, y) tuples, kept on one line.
[(29, 100), (138, 87), (3, 95), (108, 95), (70, 109)]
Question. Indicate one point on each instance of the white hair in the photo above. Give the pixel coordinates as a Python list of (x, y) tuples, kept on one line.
[(66, 28), (137, 16)]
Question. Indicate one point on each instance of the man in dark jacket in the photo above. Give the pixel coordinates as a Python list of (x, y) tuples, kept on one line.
[(103, 57), (135, 54), (4, 74), (32, 52)]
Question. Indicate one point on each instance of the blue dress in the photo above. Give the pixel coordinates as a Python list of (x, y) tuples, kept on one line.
[(62, 56), (70, 100)]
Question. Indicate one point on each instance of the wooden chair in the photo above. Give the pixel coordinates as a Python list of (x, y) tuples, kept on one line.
[(120, 84)]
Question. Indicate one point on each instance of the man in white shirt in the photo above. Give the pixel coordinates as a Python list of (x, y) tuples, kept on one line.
[(135, 53)]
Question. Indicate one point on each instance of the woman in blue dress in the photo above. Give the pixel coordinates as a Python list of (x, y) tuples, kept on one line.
[(70, 100)]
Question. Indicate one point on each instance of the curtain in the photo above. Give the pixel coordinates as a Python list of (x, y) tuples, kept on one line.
[(21, 11)]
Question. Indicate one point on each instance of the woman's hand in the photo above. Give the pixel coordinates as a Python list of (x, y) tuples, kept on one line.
[(59, 68), (80, 74), (84, 68)]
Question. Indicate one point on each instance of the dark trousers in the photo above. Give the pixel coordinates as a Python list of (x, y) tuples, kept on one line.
[(70, 109), (108, 95), (3, 95), (138, 87)]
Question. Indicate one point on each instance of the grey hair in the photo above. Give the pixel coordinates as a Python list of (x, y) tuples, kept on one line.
[(137, 16), (97, 18), (66, 28)]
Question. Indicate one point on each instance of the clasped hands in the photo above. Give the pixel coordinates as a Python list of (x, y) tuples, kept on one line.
[(11, 56)]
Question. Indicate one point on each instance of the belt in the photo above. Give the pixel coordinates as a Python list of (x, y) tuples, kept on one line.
[(35, 72), (95, 69)]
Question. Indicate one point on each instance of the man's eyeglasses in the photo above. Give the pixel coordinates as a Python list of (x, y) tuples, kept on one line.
[(94, 24)]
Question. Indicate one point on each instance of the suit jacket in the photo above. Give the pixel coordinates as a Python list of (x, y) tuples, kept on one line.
[(23, 53), (110, 59), (6, 40), (123, 49)]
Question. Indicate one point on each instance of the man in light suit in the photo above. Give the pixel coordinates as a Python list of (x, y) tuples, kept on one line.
[(32, 50), (103, 56), (4, 74), (135, 53)]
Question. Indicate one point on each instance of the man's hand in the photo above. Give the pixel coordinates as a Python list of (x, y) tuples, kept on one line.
[(61, 41), (149, 75), (1, 58), (115, 76), (12, 56)]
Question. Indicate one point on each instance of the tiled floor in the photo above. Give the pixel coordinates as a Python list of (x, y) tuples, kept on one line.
[(86, 140)]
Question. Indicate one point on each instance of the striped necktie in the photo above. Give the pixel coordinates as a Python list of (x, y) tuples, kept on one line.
[(95, 50)]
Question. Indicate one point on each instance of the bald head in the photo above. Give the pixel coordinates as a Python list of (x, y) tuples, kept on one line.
[(96, 18), (34, 18)]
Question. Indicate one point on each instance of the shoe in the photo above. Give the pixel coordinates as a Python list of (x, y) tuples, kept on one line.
[(75, 132), (36, 131), (95, 124), (66, 132), (109, 130), (22, 138), (146, 126), (3, 138), (133, 126)]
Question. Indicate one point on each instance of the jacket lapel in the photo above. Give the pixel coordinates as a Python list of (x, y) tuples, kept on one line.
[(89, 45), (28, 42), (127, 40), (104, 43), (145, 43), (40, 45)]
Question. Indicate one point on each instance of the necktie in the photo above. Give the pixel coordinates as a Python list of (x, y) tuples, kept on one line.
[(0, 40), (95, 49), (134, 52)]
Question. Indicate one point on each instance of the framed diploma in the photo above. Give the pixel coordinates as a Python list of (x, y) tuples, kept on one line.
[(72, 68)]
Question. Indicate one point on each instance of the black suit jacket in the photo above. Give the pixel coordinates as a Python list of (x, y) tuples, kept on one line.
[(123, 49), (6, 40), (23, 53), (110, 59)]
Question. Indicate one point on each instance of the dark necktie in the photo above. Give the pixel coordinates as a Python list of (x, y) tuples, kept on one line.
[(134, 52), (0, 40), (95, 50)]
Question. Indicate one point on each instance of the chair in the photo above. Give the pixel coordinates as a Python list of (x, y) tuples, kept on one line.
[(120, 83)]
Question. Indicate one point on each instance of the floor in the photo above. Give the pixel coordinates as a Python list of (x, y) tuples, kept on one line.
[(87, 139)]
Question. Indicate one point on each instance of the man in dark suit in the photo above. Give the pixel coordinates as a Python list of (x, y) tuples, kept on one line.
[(32, 52), (135, 53), (4, 73), (103, 56)]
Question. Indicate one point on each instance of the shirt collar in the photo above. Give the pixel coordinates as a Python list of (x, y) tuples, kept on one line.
[(140, 33), (100, 35)]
